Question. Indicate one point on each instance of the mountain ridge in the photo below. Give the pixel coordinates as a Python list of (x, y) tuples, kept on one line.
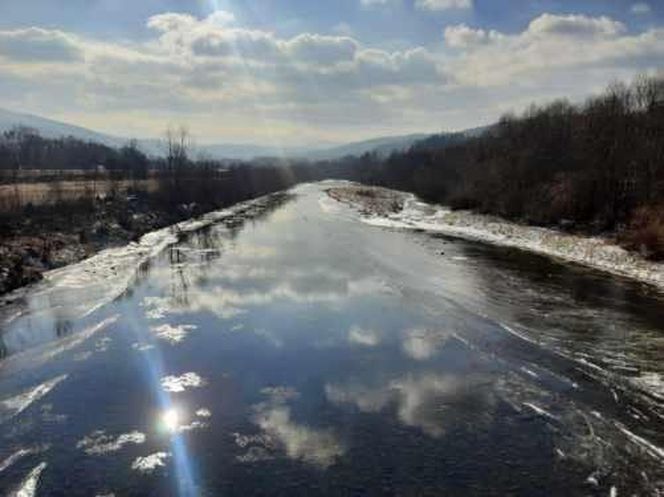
[(51, 128)]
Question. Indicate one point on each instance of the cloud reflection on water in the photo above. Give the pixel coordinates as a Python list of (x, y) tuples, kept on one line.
[(318, 447)]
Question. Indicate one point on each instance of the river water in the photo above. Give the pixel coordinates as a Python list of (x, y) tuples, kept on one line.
[(302, 352)]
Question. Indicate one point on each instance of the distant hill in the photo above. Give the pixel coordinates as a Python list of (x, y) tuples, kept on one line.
[(443, 140), (49, 128), (383, 146)]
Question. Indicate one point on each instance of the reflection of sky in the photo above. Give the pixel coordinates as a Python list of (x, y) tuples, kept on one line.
[(308, 357)]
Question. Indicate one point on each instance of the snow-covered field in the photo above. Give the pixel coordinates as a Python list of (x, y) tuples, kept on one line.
[(596, 252)]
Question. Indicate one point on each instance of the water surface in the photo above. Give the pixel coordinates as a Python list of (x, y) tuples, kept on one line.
[(305, 353)]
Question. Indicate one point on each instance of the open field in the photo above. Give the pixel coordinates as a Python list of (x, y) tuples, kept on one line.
[(43, 193)]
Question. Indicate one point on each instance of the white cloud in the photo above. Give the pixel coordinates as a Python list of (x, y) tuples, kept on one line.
[(319, 447), (421, 344), (439, 5), (39, 45), (552, 46), (641, 8), (364, 337), (463, 36), (309, 86), (421, 401), (374, 3), (575, 26)]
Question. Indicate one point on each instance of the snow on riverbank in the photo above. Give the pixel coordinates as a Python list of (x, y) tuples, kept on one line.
[(84, 287), (596, 252)]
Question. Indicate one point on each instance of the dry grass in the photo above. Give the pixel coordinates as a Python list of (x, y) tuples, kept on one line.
[(369, 200), (43, 193), (646, 232)]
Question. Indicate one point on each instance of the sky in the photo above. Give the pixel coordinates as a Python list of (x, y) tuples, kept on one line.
[(308, 72)]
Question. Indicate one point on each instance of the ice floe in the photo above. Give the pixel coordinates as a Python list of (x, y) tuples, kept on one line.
[(177, 384), (148, 464), (98, 442)]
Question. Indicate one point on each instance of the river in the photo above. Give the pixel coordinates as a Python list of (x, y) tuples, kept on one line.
[(302, 352)]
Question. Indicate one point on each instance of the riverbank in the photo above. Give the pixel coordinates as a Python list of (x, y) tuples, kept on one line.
[(390, 208), (50, 240)]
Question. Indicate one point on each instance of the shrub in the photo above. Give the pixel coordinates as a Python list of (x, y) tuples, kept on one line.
[(646, 232)]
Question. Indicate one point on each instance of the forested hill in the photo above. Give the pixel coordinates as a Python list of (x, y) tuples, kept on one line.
[(595, 167)]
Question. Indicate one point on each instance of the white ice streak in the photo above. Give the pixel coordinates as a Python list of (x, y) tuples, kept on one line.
[(539, 410), (98, 443), (16, 456), (650, 448), (28, 487), (14, 406), (41, 355)]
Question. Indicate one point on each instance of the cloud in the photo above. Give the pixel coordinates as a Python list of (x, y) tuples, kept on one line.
[(552, 46), (307, 86), (425, 401), (39, 45), (575, 26), (363, 337), (641, 8), (440, 5), (463, 36), (422, 344), (319, 447), (374, 3), (321, 50)]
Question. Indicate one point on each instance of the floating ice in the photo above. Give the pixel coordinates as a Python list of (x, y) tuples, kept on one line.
[(98, 443), (147, 464), (172, 334), (180, 383)]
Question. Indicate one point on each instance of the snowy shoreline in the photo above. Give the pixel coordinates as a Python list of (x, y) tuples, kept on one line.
[(595, 252), (88, 285)]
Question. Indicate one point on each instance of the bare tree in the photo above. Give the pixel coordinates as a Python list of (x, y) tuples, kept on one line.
[(178, 143)]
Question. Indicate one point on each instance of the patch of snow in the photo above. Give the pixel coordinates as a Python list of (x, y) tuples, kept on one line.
[(597, 252), (148, 464), (98, 443), (177, 384), (172, 334)]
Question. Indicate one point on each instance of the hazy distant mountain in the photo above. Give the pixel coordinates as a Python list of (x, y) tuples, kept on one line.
[(382, 146), (50, 128), (55, 129), (442, 140)]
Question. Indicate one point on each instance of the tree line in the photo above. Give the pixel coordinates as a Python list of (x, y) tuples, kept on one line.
[(595, 167)]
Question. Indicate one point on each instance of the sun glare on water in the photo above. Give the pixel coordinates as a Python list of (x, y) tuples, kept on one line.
[(171, 420)]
